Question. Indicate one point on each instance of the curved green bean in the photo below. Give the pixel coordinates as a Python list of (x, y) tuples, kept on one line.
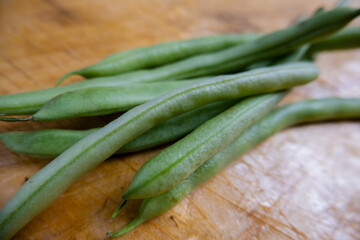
[(159, 54), (177, 162), (52, 180), (52, 142), (100, 100), (283, 117), (225, 61)]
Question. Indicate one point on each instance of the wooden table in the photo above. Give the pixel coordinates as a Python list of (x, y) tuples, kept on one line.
[(303, 183)]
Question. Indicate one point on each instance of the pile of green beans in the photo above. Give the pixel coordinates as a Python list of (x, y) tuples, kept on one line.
[(52, 180), (229, 60), (296, 113), (33, 143), (160, 110)]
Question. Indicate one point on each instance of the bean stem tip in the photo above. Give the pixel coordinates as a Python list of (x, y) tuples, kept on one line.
[(63, 78), (136, 222), (123, 203)]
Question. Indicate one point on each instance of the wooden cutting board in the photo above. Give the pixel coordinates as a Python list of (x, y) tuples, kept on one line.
[(303, 183)]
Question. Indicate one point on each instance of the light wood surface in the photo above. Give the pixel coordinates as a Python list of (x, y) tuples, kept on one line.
[(303, 183)]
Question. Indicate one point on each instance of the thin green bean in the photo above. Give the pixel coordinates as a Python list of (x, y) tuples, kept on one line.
[(283, 117), (347, 38), (177, 162), (52, 142), (159, 54), (52, 180), (30, 102), (344, 39), (100, 100)]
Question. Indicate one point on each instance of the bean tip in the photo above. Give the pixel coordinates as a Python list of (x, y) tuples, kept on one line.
[(125, 195), (136, 222), (63, 78), (119, 209)]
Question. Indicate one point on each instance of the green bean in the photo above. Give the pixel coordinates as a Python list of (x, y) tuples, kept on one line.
[(100, 100), (283, 117), (52, 180), (225, 61), (296, 56), (43, 143), (52, 142), (159, 54), (30, 102), (344, 39), (177, 162)]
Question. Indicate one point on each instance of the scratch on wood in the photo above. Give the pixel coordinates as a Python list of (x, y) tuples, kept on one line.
[(234, 21), (20, 70), (204, 216), (299, 234), (131, 166), (259, 218), (187, 224), (159, 228), (173, 219), (63, 12)]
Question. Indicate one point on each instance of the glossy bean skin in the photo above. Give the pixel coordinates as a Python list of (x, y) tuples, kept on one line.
[(177, 162), (160, 54), (100, 100), (296, 113), (52, 180), (229, 60), (52, 142)]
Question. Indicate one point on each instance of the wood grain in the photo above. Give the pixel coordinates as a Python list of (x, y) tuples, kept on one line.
[(303, 183)]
